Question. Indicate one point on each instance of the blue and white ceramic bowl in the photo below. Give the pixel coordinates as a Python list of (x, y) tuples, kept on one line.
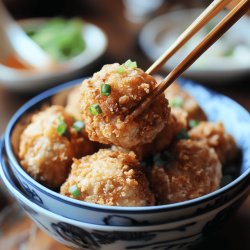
[(217, 108), (79, 235)]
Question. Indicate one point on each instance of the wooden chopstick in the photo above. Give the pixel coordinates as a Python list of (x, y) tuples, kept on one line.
[(231, 18), (212, 10)]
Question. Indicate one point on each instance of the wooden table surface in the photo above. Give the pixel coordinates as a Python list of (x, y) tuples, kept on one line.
[(122, 36)]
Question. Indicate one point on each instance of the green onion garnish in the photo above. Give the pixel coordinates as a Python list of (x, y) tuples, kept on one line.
[(176, 102), (95, 109), (193, 123), (74, 191), (130, 64), (182, 135), (121, 69), (127, 63), (133, 65), (62, 126), (78, 125), (105, 89)]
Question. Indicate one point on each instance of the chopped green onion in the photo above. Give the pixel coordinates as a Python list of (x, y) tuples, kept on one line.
[(193, 123), (62, 126), (133, 65), (127, 63), (95, 109), (130, 64), (176, 102), (121, 69), (78, 125), (74, 191), (105, 89), (182, 135)]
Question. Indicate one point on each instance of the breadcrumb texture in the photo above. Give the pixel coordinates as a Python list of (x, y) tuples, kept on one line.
[(109, 178), (193, 171), (73, 103), (163, 139), (45, 154), (128, 89), (215, 135), (190, 105)]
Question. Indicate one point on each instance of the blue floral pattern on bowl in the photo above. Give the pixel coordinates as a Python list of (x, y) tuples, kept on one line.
[(179, 235)]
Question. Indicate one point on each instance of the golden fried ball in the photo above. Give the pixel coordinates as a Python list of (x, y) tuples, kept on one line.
[(180, 99), (216, 137), (48, 144), (163, 139), (109, 178), (192, 170), (73, 103), (109, 122)]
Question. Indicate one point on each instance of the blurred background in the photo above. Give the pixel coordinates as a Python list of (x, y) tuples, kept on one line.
[(130, 29)]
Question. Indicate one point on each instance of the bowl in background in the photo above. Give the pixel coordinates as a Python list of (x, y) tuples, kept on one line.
[(30, 80), (180, 235), (228, 59), (216, 106)]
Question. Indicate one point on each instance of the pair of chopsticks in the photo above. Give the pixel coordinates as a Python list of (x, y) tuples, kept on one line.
[(227, 22)]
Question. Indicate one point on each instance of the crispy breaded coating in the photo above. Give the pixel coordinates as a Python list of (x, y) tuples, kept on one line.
[(44, 153), (73, 103), (180, 99), (216, 137), (163, 139), (181, 118), (112, 124), (109, 178), (192, 170)]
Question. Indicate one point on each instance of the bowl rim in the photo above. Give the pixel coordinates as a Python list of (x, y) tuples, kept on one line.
[(97, 207), (11, 186), (159, 21)]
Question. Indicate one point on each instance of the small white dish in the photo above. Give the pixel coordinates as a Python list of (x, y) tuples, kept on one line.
[(215, 66), (31, 80), (12, 32)]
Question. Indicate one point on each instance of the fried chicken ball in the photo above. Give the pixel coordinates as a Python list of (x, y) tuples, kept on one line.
[(216, 137), (180, 99), (163, 139), (191, 170), (108, 97), (109, 178), (73, 103), (48, 144)]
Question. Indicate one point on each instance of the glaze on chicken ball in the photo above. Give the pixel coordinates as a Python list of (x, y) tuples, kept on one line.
[(109, 178), (108, 98), (192, 169), (48, 144), (215, 135)]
